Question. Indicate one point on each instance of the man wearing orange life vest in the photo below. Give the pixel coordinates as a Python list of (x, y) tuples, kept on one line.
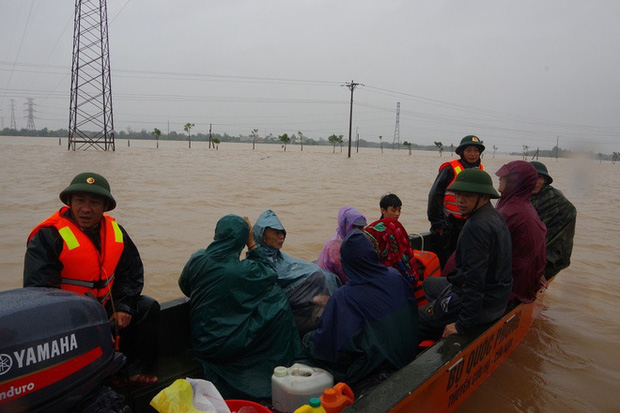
[(444, 216), (81, 249)]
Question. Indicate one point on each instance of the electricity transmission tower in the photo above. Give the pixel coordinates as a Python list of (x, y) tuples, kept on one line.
[(396, 141), (91, 124), (30, 115), (13, 123)]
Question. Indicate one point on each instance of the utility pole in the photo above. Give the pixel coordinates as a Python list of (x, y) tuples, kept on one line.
[(210, 125), (30, 115), (557, 148), (91, 121), (351, 86), (396, 141)]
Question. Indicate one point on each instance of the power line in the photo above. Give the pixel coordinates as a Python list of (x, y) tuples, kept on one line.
[(19, 48)]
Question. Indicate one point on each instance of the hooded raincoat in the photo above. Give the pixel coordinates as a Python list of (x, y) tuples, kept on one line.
[(527, 231), (329, 258), (301, 280), (370, 322), (559, 216), (391, 242), (241, 324)]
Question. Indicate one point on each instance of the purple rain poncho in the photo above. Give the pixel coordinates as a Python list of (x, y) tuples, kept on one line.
[(527, 231), (329, 258)]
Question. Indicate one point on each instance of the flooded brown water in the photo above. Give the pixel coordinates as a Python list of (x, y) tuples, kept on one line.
[(170, 198)]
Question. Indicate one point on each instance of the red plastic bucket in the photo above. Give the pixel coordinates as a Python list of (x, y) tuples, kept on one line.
[(235, 405)]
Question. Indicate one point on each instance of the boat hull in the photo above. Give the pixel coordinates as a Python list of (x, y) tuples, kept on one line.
[(442, 378)]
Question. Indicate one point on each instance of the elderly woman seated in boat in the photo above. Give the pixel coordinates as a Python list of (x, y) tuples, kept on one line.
[(517, 180), (369, 324), (242, 326), (349, 218), (305, 283)]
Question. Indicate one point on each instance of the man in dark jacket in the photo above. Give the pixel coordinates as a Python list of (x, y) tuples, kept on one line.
[(477, 290), (559, 216), (444, 216), (81, 249)]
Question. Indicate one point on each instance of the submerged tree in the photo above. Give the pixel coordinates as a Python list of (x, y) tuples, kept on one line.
[(156, 132), (301, 139), (188, 128), (285, 140), (408, 145), (439, 146), (494, 150), (614, 157), (253, 135), (216, 143), (333, 139)]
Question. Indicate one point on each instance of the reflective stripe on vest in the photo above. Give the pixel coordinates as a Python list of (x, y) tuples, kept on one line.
[(88, 284), (118, 234), (449, 198), (68, 237)]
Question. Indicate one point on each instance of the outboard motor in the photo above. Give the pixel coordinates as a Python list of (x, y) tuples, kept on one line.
[(55, 348)]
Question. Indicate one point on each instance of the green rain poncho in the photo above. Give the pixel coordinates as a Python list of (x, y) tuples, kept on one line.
[(559, 216), (241, 323)]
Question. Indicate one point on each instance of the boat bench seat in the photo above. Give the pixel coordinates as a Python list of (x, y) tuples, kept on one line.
[(173, 362)]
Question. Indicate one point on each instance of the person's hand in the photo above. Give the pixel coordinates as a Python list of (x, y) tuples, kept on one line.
[(320, 300), (250, 241), (449, 330), (122, 318)]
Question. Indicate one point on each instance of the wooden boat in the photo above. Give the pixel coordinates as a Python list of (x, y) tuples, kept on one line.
[(438, 380)]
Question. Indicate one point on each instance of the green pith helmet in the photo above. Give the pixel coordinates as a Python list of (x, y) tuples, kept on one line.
[(90, 183), (474, 180), (542, 170), (469, 140)]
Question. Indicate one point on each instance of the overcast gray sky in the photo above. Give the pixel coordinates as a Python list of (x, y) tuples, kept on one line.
[(513, 72)]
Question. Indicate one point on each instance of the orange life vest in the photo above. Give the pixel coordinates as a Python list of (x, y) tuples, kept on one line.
[(449, 199), (84, 268), (428, 266)]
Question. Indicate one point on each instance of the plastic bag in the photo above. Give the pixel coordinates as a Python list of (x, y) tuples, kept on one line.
[(190, 396)]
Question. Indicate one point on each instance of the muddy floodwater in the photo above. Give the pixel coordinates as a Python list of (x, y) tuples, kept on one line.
[(170, 198)]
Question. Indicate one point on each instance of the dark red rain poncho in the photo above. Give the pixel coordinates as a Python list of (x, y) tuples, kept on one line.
[(527, 231)]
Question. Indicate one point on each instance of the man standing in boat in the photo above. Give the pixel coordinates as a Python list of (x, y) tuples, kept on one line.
[(477, 290), (443, 214), (81, 249), (559, 216)]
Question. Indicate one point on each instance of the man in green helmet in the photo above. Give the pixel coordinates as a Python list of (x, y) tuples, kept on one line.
[(559, 216), (476, 291), (442, 212), (81, 249)]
